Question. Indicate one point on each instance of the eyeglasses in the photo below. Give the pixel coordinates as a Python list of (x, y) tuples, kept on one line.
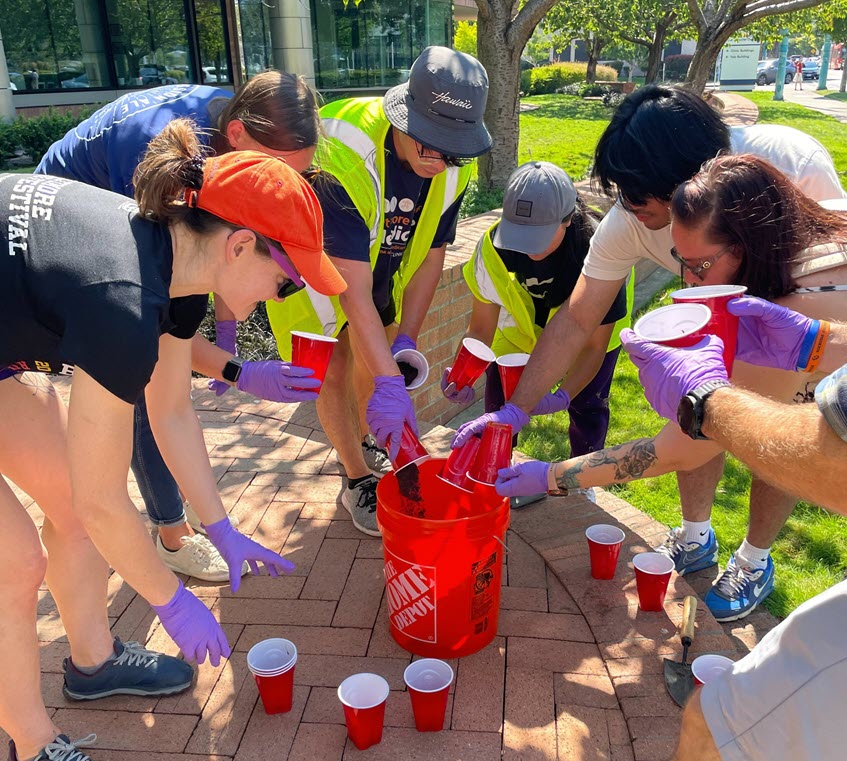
[(431, 156), (698, 269), (293, 282)]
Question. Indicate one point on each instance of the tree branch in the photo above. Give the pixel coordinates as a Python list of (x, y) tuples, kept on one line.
[(523, 25), (484, 8), (698, 18), (772, 9)]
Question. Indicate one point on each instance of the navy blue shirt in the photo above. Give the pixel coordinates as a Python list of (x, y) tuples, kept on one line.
[(346, 235), (105, 149)]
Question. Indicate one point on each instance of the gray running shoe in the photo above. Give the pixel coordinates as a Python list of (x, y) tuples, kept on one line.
[(375, 458), (61, 749), (360, 502)]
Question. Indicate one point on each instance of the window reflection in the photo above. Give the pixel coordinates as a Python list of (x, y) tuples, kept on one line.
[(254, 23), (214, 67)]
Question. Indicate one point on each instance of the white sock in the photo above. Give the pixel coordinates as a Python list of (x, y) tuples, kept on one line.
[(757, 557), (696, 531)]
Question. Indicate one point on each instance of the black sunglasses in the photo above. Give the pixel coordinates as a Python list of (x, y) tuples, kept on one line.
[(425, 152)]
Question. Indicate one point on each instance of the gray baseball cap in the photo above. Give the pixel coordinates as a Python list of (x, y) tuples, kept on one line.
[(539, 195), (442, 104)]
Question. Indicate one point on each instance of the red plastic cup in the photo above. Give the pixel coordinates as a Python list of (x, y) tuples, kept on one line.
[(722, 323), (313, 351), (675, 325), (410, 450), (707, 668), (604, 547), (363, 697), (272, 663), (495, 452), (652, 574), (429, 683), (459, 462), (511, 368), (470, 363)]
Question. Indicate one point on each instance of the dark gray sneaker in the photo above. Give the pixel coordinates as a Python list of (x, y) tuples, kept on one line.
[(376, 458), (134, 671), (360, 502), (61, 749)]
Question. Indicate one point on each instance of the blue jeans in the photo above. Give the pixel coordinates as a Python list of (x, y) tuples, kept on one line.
[(588, 411), (157, 486)]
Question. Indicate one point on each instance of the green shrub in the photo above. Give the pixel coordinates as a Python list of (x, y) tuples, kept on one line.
[(549, 79), (612, 99), (478, 201), (35, 135)]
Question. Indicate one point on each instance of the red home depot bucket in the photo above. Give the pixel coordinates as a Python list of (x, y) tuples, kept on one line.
[(443, 564)]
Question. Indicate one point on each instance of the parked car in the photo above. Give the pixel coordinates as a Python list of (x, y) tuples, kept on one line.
[(811, 68), (766, 71)]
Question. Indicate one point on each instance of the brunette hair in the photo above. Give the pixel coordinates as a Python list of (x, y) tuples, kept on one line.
[(278, 110), (173, 163), (753, 209)]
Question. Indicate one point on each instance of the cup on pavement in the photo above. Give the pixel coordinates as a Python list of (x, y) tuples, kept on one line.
[(459, 462), (272, 663), (722, 323), (470, 363), (675, 325), (495, 452), (410, 450), (708, 667), (652, 574), (417, 361), (429, 681), (363, 697), (604, 548), (510, 367), (313, 351)]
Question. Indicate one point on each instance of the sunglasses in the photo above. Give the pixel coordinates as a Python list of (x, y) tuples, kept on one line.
[(293, 282), (698, 269), (430, 155)]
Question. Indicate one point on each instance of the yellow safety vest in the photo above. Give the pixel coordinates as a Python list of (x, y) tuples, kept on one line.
[(353, 154), (491, 283)]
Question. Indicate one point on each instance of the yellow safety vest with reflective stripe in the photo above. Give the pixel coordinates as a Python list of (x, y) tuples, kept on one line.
[(353, 154), (490, 282)]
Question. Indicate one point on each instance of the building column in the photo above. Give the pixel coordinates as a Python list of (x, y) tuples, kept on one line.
[(291, 38), (7, 108), (91, 36)]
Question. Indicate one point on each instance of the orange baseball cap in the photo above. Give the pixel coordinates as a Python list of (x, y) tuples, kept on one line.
[(264, 194)]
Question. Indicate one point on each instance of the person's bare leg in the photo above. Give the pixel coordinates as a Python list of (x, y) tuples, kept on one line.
[(337, 411), (171, 535), (697, 489), (695, 739), (770, 508)]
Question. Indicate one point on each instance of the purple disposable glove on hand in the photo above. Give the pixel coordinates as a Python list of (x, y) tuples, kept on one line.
[(669, 374), (388, 408), (402, 342), (509, 413), (192, 626), (272, 380), (462, 396), (770, 335), (555, 401), (235, 548), (224, 339), (523, 479)]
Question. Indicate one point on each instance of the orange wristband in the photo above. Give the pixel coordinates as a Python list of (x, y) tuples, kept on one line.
[(818, 347)]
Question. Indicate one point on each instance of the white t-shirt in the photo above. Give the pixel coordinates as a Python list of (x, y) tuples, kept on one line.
[(621, 240)]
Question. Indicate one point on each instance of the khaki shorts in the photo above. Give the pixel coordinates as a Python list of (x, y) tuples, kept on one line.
[(785, 701)]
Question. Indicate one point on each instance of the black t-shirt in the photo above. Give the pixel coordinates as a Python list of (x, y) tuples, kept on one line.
[(347, 236), (551, 281), (84, 283)]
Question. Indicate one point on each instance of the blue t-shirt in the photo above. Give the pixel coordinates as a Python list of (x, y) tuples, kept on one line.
[(347, 236), (105, 149)]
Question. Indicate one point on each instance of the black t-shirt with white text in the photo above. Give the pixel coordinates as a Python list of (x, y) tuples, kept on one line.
[(84, 282)]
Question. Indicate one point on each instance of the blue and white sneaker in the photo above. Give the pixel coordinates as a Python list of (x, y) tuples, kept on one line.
[(739, 589), (133, 671), (61, 749), (689, 556)]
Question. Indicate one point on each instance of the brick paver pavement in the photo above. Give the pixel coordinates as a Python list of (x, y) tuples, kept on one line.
[(574, 672)]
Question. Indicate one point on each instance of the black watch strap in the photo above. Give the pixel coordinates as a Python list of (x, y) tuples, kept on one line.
[(232, 369), (692, 408)]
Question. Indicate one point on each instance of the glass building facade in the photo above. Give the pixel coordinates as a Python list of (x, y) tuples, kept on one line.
[(57, 46)]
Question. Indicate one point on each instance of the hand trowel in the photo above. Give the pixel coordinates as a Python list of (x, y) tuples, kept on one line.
[(678, 677)]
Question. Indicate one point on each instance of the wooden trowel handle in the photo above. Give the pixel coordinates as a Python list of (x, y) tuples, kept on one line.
[(689, 613)]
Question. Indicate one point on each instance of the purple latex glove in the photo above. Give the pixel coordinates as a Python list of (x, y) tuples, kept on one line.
[(389, 407), (555, 401), (509, 413), (272, 380), (462, 396), (235, 548), (770, 335), (523, 479), (669, 374), (192, 626), (224, 339), (403, 342)]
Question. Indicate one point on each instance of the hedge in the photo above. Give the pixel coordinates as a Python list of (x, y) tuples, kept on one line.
[(35, 135), (548, 79)]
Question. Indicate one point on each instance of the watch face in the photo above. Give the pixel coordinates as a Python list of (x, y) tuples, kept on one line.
[(231, 371), (685, 416)]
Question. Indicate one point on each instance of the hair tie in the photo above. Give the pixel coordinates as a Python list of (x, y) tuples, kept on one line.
[(192, 172)]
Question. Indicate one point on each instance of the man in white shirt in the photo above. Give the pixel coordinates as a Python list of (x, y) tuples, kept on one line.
[(657, 139)]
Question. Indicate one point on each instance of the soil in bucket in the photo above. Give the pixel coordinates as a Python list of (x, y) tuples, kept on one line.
[(443, 565)]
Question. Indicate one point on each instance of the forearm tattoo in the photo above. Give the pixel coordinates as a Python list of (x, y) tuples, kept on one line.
[(631, 461), (567, 479)]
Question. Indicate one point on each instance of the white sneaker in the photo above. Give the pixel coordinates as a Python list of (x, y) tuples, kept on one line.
[(194, 519), (197, 557), (375, 458)]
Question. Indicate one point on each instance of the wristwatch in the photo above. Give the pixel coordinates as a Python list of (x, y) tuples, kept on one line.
[(692, 408), (232, 369)]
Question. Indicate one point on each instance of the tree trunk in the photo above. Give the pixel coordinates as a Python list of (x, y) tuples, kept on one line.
[(501, 113), (594, 50), (654, 55), (708, 50)]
